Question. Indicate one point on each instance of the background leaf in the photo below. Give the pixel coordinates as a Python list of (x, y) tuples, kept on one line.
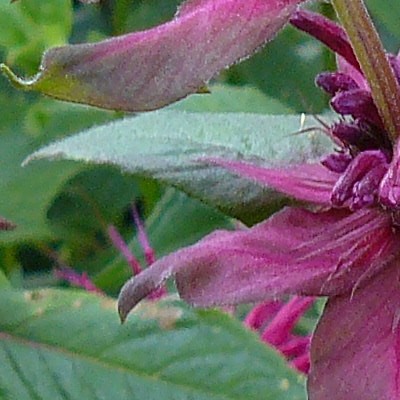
[(25, 192), (28, 29), (176, 221), (69, 345), (386, 15), (229, 98), (167, 145)]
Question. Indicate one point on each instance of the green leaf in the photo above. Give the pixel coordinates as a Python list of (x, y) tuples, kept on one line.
[(27, 192), (168, 146), (3, 283), (227, 98), (28, 27), (386, 16), (285, 70), (176, 221), (69, 345)]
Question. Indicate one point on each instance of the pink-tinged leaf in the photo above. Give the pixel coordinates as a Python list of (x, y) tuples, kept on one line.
[(146, 70), (355, 352), (294, 252), (306, 182)]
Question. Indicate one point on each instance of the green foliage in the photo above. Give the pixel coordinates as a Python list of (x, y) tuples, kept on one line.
[(27, 29), (386, 15), (228, 98), (285, 70), (176, 221), (26, 193), (169, 146), (69, 345)]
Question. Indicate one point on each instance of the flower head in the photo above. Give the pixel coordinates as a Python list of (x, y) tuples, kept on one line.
[(275, 320), (345, 244)]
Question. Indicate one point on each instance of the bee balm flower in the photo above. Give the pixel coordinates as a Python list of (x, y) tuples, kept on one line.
[(345, 244)]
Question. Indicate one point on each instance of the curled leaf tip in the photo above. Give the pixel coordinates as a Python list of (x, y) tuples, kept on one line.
[(14, 79), (122, 316), (131, 293)]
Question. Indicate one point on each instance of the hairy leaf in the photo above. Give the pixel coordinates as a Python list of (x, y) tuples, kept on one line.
[(171, 146), (69, 345)]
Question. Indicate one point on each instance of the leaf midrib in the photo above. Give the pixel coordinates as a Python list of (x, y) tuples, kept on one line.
[(108, 365)]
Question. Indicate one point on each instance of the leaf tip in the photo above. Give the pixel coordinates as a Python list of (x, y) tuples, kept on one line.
[(14, 79)]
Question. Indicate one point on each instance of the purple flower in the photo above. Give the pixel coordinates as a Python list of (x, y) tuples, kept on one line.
[(147, 70), (274, 321), (83, 281), (345, 244), (75, 279)]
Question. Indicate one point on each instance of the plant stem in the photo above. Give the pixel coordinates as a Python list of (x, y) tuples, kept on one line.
[(374, 63)]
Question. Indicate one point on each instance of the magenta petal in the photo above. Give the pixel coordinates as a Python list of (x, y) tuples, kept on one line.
[(326, 31), (146, 70), (355, 352), (306, 182), (294, 252), (389, 190), (346, 68)]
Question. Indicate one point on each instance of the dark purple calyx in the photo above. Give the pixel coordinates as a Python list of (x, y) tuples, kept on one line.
[(358, 186), (365, 151), (334, 82), (368, 165), (357, 103)]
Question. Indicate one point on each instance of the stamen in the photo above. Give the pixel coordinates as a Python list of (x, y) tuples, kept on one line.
[(142, 237), (278, 330), (302, 363), (296, 347), (75, 279), (357, 169), (120, 244), (262, 313)]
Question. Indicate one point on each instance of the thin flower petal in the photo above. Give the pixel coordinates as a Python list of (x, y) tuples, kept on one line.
[(306, 182), (327, 32), (294, 252), (346, 68), (147, 70), (355, 353), (389, 190)]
